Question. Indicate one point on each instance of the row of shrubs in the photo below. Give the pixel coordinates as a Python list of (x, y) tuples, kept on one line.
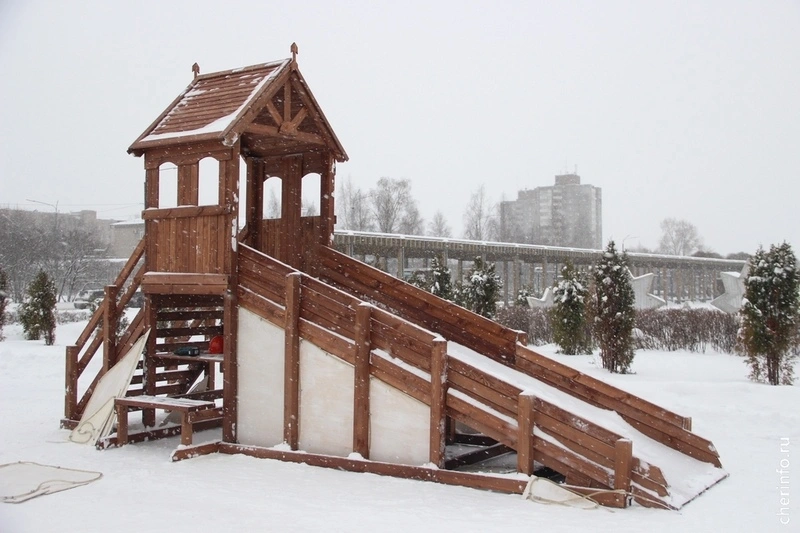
[(694, 330)]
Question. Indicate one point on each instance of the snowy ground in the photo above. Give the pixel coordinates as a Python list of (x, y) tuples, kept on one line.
[(141, 490)]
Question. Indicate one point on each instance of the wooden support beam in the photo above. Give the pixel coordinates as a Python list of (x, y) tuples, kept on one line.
[(438, 434), (525, 422), (291, 205), (361, 395), (110, 327), (230, 374), (467, 479), (188, 184), (623, 460), (71, 382), (151, 185), (149, 364), (326, 202), (291, 385)]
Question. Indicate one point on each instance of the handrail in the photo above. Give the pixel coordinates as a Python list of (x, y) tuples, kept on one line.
[(78, 356), (464, 327)]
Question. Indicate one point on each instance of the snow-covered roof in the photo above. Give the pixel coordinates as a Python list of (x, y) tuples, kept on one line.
[(220, 106)]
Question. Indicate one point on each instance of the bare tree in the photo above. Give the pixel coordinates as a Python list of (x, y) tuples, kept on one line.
[(273, 205), (392, 203), (412, 223), (310, 208), (439, 227), (480, 219), (679, 237), (352, 208)]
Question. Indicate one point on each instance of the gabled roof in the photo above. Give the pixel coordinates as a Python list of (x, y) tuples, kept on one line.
[(222, 106)]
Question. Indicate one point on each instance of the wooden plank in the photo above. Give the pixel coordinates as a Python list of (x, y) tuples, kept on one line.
[(591, 429), (486, 394), (525, 424), (438, 405), (110, 318), (262, 307), (400, 379), (195, 450), (191, 314), (186, 211), (467, 479), (189, 331), (577, 441), (479, 419), (291, 404), (329, 342), (478, 456), (331, 315), (361, 374), (562, 460)]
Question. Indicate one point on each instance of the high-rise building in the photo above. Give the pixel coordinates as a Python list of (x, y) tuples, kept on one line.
[(565, 214)]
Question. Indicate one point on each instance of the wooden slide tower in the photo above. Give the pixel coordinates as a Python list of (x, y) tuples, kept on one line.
[(326, 360)]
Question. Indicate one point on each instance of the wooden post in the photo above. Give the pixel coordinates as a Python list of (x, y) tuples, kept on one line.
[(623, 461), (438, 435), (505, 283), (326, 202), (151, 184), (255, 201), (188, 184), (148, 361), (401, 262), (230, 374), (110, 327), (687, 423), (71, 383), (525, 423), (361, 375), (291, 377), (291, 205)]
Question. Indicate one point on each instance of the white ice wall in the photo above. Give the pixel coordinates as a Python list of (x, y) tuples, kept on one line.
[(399, 426), (326, 402), (260, 399)]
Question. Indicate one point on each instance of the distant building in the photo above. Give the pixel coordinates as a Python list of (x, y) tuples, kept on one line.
[(565, 214), (63, 223), (124, 238)]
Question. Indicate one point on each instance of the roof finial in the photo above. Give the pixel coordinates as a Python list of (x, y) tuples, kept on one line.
[(196, 69), (293, 48)]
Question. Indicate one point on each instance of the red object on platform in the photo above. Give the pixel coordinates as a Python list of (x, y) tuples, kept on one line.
[(215, 344)]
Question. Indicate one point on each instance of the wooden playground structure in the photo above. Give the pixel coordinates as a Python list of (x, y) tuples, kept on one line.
[(326, 360)]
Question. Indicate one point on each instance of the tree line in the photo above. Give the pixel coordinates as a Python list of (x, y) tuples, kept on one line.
[(30, 244)]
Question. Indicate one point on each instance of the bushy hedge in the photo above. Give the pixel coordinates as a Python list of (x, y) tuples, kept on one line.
[(694, 330), (534, 322)]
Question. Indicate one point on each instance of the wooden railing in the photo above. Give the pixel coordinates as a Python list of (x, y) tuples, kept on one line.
[(101, 330), (415, 305), (404, 355), (507, 347), (188, 239)]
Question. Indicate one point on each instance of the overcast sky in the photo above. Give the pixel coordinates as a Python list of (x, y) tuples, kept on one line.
[(687, 110)]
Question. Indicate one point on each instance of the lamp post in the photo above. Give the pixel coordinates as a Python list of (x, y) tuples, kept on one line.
[(54, 206), (626, 238)]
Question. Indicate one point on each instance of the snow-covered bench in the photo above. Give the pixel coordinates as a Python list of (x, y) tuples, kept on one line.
[(191, 411)]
